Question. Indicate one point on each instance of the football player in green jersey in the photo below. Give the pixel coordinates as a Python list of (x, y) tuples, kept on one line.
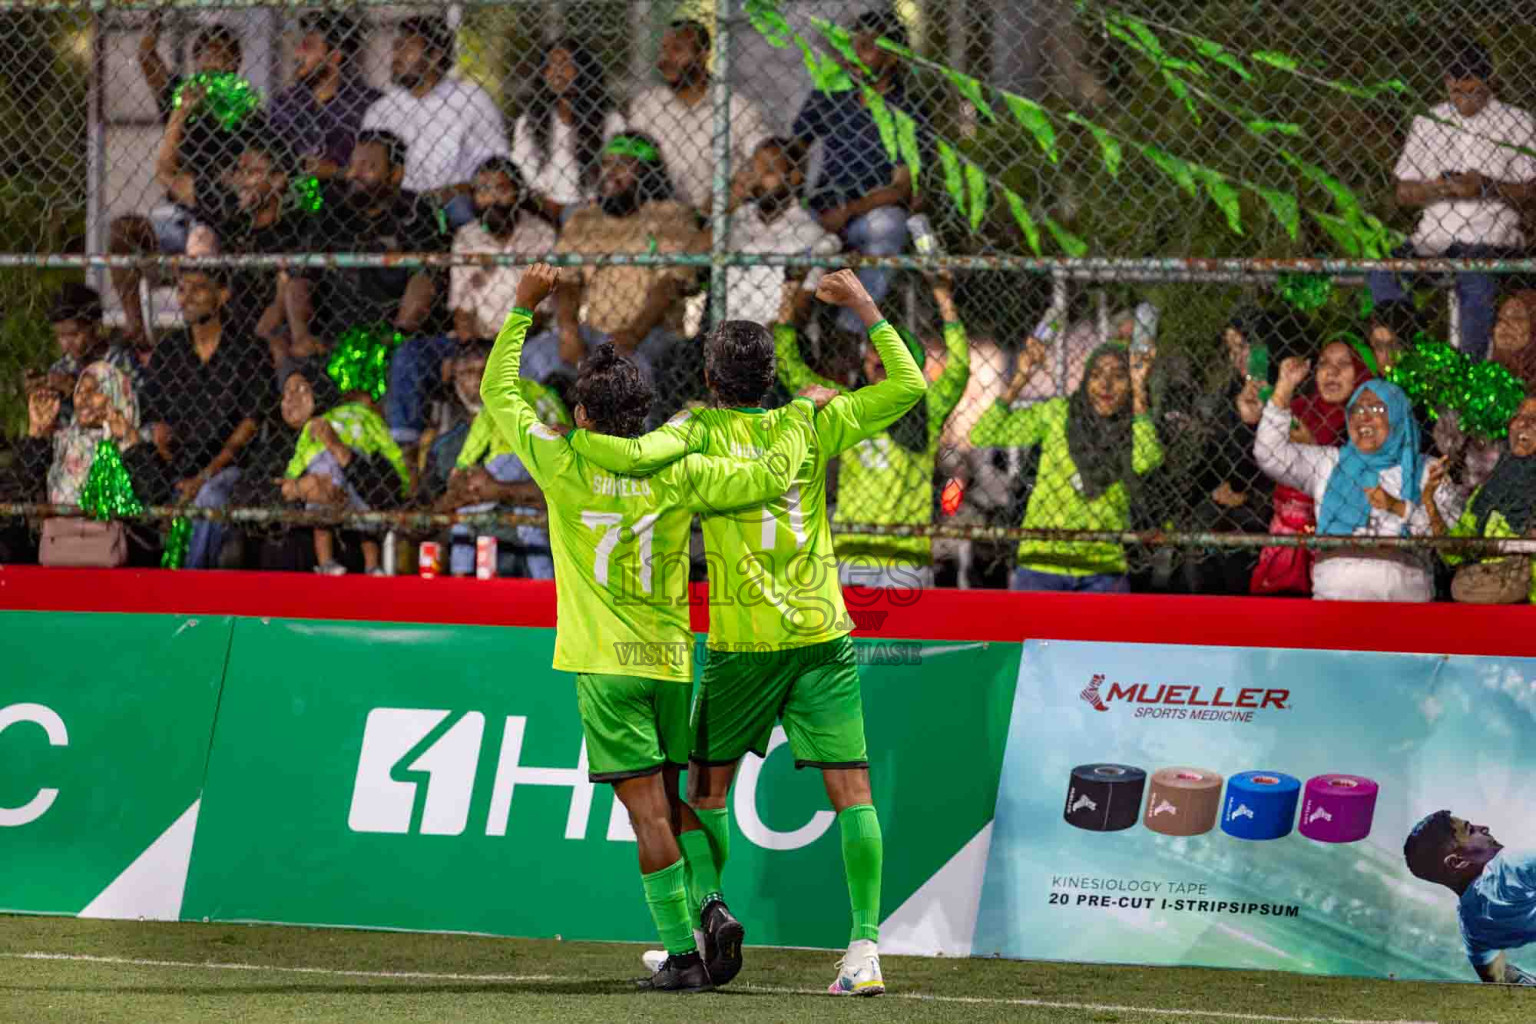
[(622, 619), (778, 629)]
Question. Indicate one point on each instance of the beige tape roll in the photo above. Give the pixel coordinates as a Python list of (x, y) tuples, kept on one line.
[(1183, 801)]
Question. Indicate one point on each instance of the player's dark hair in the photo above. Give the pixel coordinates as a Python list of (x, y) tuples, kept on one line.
[(1426, 846), (394, 146), (76, 301), (614, 394), (339, 30), (697, 29), (1468, 60), (217, 35), (739, 358)]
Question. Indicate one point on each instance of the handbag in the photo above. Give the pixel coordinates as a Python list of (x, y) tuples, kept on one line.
[(83, 543), (1500, 581), (1286, 570)]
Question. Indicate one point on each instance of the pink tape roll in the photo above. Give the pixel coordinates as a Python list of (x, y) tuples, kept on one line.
[(1337, 808)]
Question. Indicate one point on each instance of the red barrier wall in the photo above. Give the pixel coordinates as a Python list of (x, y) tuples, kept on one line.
[(930, 615)]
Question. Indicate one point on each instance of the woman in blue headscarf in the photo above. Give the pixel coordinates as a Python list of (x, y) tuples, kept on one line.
[(1373, 486)]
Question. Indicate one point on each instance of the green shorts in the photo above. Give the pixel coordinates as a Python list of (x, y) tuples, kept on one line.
[(633, 725), (814, 690)]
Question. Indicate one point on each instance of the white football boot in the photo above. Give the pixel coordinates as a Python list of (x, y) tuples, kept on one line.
[(858, 972)]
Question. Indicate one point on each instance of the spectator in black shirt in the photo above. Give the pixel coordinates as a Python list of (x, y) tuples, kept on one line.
[(207, 390), (204, 144), (321, 114), (370, 214)]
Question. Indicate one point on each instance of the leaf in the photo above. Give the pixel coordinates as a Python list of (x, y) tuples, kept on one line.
[(1341, 230), (883, 120), (1021, 214), (1146, 36), (1218, 53), (1285, 208), (770, 24), (1109, 146), (1178, 88), (1282, 127), (1343, 198), (1223, 195), (954, 178), (971, 89), (840, 40), (1034, 118), (1174, 64), (826, 74), (1284, 62), (1172, 166), (976, 184), (1070, 243), (906, 142)]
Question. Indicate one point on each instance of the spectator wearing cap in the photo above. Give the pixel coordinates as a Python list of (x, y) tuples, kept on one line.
[(681, 118), (205, 391), (83, 339), (202, 143), (369, 213), (635, 307), (320, 115), (449, 126), (861, 193), (1462, 164)]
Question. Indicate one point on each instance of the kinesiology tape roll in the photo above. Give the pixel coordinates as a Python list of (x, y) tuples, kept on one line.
[(1260, 805), (1104, 797), (1183, 801), (1338, 808)]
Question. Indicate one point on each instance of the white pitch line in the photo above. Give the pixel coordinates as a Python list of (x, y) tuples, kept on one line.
[(326, 971), (1257, 1018)]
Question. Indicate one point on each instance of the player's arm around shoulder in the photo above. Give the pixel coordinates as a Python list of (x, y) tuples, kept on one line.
[(682, 435), (543, 451), (717, 484)]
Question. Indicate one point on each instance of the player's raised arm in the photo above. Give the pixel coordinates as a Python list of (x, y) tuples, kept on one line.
[(718, 484), (851, 418), (541, 449)]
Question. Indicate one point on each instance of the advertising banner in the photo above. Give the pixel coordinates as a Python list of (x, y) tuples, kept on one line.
[(435, 777), (104, 729), (1234, 807)]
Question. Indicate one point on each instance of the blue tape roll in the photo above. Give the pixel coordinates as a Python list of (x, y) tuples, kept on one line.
[(1260, 805)]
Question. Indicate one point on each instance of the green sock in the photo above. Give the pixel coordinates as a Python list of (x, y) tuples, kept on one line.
[(863, 851), (717, 825), (703, 879), (667, 897)]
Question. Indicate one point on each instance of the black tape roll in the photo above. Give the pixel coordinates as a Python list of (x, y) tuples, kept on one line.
[(1104, 797)]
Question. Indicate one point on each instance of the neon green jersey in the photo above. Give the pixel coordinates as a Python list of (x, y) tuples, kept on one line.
[(484, 442), (772, 570), (620, 543), (358, 427), (882, 481)]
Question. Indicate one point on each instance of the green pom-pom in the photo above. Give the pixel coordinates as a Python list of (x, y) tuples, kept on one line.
[(108, 492), (1436, 378), (177, 543), (1305, 292), (228, 98), (308, 195), (1492, 397), (361, 359)]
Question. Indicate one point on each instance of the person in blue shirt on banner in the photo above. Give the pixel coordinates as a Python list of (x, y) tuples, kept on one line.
[(1496, 890)]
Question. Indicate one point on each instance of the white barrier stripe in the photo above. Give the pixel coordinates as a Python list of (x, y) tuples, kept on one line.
[(918, 996), (325, 971)]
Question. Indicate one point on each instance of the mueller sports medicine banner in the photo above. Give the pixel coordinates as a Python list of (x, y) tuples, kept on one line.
[(1243, 808)]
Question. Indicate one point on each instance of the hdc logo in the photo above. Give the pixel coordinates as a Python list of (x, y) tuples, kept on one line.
[(408, 750)]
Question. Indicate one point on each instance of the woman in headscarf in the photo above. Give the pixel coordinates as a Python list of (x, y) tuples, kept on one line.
[(1372, 486), (1504, 506), (1094, 446), (56, 461), (1318, 417)]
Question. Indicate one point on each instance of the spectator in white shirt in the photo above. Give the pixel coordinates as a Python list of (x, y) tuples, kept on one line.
[(681, 118), (557, 141), (772, 222), (449, 126), (1461, 165), (479, 296)]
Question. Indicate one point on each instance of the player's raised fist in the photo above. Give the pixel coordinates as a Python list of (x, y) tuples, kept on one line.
[(535, 285), (842, 288)]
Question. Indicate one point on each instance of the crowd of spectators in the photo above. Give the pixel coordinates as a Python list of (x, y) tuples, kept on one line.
[(1079, 433)]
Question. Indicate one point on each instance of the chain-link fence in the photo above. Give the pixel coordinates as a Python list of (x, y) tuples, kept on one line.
[(266, 247)]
